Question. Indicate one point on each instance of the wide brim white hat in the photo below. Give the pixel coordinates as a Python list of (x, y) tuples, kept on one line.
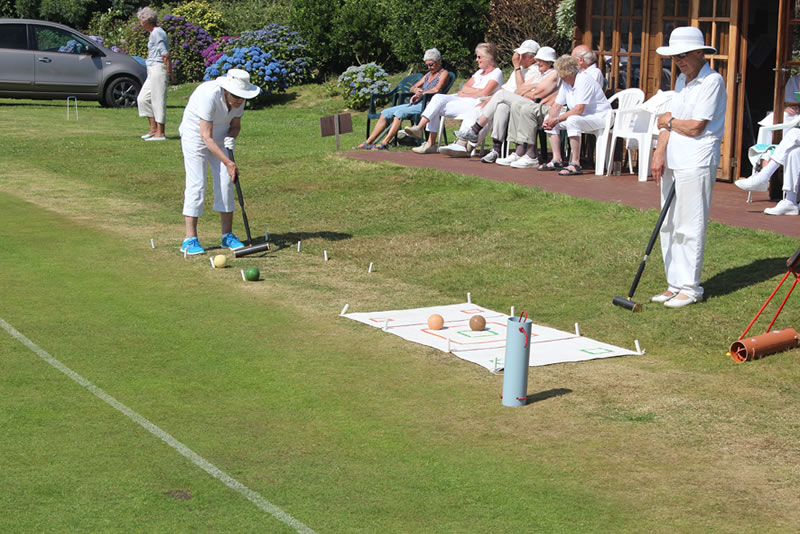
[(527, 47), (237, 83), (685, 39), (546, 53)]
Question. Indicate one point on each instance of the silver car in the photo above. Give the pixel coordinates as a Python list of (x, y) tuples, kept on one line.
[(45, 60)]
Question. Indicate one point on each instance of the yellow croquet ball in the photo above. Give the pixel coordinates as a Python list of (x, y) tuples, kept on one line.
[(220, 261)]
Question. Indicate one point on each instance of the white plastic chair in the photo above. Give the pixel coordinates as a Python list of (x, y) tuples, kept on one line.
[(755, 152), (638, 126), (626, 99)]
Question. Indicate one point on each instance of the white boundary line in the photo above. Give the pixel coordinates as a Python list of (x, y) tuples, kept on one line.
[(185, 451)]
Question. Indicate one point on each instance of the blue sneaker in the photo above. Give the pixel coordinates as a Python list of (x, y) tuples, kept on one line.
[(192, 246), (231, 241)]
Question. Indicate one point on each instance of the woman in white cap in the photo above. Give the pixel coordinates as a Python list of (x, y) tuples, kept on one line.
[(433, 82), (211, 123), (152, 99), (687, 155)]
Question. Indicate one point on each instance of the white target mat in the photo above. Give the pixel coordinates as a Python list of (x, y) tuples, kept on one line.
[(486, 348)]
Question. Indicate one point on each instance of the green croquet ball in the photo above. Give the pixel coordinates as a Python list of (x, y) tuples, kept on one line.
[(252, 274)]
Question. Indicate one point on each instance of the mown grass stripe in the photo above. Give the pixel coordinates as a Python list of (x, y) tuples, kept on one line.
[(185, 451)]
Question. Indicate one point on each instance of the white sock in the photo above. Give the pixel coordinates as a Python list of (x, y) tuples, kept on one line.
[(766, 173), (791, 197)]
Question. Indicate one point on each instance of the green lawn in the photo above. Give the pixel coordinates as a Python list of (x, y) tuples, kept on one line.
[(342, 427)]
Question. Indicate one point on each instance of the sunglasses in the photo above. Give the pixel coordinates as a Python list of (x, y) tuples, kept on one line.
[(430, 63), (682, 56)]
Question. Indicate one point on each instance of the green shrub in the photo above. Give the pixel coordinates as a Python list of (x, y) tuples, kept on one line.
[(358, 83), (452, 26), (110, 25), (342, 32), (201, 13), (245, 15), (513, 21)]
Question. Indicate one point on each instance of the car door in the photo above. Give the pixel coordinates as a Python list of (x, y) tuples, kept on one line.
[(63, 64), (16, 61)]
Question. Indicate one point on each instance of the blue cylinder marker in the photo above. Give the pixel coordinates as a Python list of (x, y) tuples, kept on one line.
[(518, 353)]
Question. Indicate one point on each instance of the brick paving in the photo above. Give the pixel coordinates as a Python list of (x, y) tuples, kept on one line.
[(728, 204)]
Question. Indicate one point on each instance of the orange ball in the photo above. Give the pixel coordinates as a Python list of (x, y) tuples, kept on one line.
[(435, 322), (477, 323)]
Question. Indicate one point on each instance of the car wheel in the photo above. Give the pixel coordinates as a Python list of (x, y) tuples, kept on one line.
[(121, 92)]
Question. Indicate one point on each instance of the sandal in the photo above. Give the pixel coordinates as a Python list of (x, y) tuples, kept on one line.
[(552, 166), (380, 146), (571, 170), (364, 146)]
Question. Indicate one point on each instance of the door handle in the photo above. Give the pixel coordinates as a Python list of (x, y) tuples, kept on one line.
[(45, 60)]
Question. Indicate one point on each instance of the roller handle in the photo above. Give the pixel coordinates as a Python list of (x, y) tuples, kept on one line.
[(241, 201), (653, 237)]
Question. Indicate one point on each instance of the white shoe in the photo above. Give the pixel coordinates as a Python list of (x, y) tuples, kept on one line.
[(751, 184), (679, 301), (491, 157), (508, 160), (148, 135), (454, 150), (784, 207), (414, 131), (426, 148), (156, 139), (525, 162), (663, 297)]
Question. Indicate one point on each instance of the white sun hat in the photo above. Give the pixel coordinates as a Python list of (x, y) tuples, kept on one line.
[(546, 53), (685, 39), (528, 47), (237, 83)]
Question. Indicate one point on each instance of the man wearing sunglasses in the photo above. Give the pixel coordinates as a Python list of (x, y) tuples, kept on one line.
[(687, 155)]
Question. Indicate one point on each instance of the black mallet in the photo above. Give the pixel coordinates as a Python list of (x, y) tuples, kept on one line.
[(250, 248), (628, 303)]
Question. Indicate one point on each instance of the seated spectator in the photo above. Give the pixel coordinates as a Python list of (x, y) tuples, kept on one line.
[(587, 61), (792, 86), (543, 84), (787, 154), (433, 82), (587, 109), (497, 108), (526, 119), (484, 83)]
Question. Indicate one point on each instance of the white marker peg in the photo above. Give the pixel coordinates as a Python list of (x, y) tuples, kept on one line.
[(448, 344), (370, 267), (325, 253), (386, 324), (577, 330), (638, 348), (152, 244), (184, 252), (242, 271), (512, 311), (469, 298), (298, 246), (212, 262), (344, 310), (494, 362)]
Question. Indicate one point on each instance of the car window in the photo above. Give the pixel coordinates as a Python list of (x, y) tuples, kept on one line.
[(57, 40), (13, 36)]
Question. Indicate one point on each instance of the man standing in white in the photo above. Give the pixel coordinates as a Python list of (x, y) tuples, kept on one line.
[(211, 121), (152, 99), (687, 155)]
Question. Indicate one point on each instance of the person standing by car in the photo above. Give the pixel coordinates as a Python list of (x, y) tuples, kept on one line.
[(211, 122), (152, 99)]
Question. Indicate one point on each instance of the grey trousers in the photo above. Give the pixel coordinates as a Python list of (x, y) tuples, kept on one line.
[(526, 117)]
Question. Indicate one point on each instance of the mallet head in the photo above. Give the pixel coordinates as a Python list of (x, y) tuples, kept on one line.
[(627, 304)]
